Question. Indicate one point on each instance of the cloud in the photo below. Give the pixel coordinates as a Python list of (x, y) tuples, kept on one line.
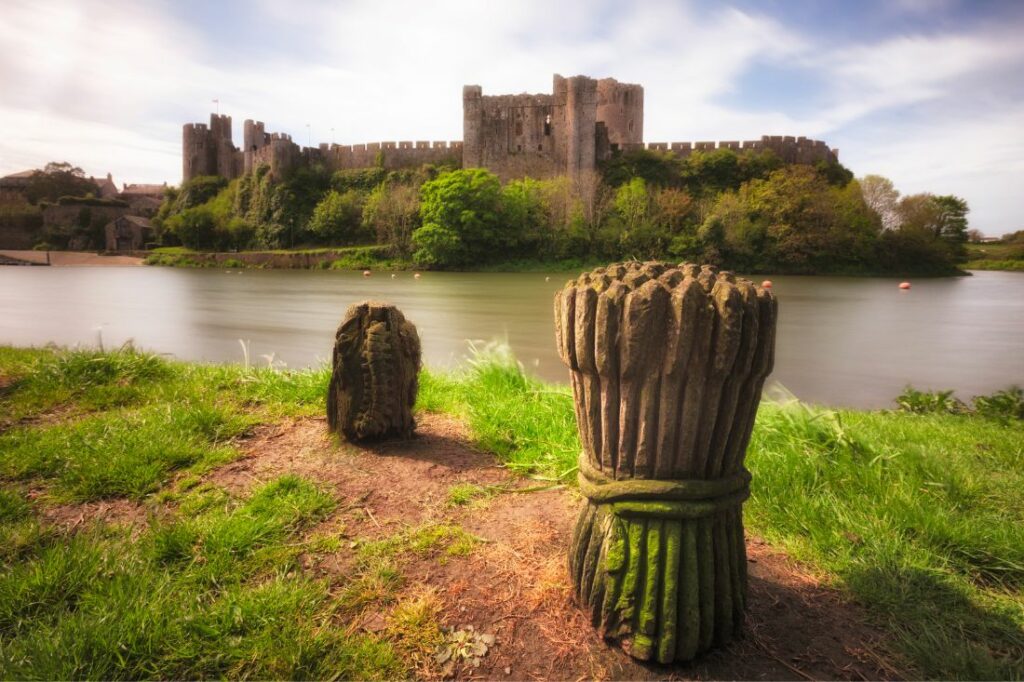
[(107, 84)]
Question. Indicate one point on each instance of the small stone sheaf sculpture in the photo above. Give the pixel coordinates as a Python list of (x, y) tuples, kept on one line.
[(374, 381), (667, 365)]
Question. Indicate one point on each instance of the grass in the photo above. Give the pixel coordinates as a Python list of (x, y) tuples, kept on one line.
[(374, 257), (212, 586), (990, 264), (918, 517), (995, 256)]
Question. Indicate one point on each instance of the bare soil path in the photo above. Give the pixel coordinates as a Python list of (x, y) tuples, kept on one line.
[(65, 258), (514, 584)]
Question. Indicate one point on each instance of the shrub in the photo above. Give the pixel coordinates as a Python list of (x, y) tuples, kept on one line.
[(929, 402), (1005, 404)]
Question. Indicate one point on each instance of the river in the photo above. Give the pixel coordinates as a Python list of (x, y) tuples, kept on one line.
[(853, 342)]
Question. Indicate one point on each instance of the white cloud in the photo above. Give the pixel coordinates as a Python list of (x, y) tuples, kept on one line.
[(107, 84)]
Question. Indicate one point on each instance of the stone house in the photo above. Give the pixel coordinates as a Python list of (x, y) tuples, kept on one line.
[(13, 186), (143, 200), (128, 233)]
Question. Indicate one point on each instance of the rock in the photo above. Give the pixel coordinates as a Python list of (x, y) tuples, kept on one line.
[(376, 362)]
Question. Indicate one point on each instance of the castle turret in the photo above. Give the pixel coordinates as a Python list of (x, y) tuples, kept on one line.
[(197, 155), (620, 106), (581, 125), (254, 138), (472, 152)]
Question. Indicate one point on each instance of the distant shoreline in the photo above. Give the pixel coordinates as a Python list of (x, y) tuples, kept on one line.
[(69, 258)]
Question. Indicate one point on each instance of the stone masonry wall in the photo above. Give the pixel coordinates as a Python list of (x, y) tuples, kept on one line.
[(567, 132)]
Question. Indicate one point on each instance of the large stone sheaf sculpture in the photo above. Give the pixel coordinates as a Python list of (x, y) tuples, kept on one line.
[(667, 365), (376, 363)]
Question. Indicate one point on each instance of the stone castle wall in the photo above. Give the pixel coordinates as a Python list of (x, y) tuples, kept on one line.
[(567, 132), (789, 149)]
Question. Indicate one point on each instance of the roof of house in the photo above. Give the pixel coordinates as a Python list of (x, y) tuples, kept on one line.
[(155, 190), (17, 179), (108, 189)]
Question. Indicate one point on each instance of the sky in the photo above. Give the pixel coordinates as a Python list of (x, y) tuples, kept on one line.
[(929, 93)]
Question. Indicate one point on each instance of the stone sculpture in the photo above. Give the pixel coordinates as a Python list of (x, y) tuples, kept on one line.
[(374, 380), (667, 365)]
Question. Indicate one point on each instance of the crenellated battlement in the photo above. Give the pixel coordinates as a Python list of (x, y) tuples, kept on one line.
[(568, 131), (788, 148)]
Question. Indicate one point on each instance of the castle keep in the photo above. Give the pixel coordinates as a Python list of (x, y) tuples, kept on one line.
[(568, 132)]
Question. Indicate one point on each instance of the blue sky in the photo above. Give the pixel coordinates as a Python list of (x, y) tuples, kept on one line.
[(929, 93)]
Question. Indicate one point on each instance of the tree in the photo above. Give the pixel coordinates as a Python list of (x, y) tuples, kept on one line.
[(460, 215), (338, 217), (793, 221), (392, 212), (58, 180), (633, 204), (940, 217), (951, 221), (524, 212), (882, 197), (918, 212)]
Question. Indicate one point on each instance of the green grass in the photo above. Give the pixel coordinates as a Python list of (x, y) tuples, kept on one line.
[(918, 517), (530, 425), (989, 264), (212, 595), (995, 256)]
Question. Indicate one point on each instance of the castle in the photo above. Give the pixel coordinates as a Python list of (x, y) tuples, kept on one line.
[(568, 132)]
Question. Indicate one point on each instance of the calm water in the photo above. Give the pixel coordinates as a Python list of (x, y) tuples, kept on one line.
[(842, 341)]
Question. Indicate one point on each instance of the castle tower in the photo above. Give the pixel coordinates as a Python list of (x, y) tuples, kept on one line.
[(197, 154), (220, 132), (580, 125), (472, 151), (620, 106), (254, 138)]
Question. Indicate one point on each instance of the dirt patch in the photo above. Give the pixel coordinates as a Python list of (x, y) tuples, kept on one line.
[(401, 483), (517, 587), (69, 517), (63, 258), (515, 583)]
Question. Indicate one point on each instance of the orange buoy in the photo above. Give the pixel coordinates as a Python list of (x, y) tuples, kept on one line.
[(767, 284), (366, 273), (416, 276), (904, 285)]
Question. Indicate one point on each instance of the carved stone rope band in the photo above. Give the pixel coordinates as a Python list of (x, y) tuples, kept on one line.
[(693, 498), (667, 365)]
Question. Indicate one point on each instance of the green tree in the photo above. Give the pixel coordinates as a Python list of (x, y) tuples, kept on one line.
[(338, 217), (56, 180), (656, 167), (392, 213), (951, 223), (794, 221), (524, 213), (438, 246), (460, 215)]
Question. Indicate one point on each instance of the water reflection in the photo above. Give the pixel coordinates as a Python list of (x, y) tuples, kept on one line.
[(842, 341)]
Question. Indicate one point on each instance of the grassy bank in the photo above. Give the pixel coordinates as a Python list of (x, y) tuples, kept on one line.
[(347, 258), (917, 517), (995, 256), (1009, 265)]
